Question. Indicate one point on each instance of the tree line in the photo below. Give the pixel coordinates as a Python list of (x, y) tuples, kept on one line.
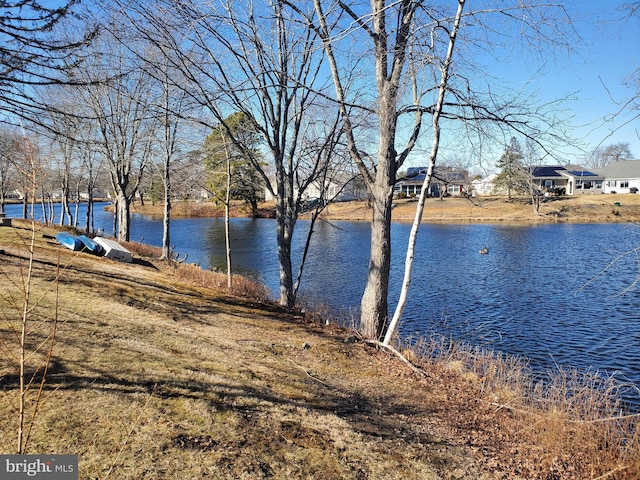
[(289, 95)]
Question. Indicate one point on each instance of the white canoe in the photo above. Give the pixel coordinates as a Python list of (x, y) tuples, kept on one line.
[(114, 250)]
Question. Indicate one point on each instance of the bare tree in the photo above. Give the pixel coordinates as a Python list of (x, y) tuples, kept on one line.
[(531, 160), (63, 127), (32, 52), (603, 155), (439, 107), (170, 109), (120, 98), (9, 141), (403, 45), (219, 162), (256, 59)]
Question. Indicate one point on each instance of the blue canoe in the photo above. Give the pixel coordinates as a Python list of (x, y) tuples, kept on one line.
[(90, 245), (69, 241)]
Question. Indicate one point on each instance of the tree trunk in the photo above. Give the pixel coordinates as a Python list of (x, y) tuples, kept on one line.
[(227, 236), (124, 217), (435, 146), (166, 222), (253, 201), (286, 270), (77, 208), (374, 303), (65, 208), (89, 225), (284, 231)]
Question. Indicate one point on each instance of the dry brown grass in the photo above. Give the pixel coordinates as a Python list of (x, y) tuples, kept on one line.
[(155, 378), (143, 249), (203, 209), (576, 209), (570, 425), (584, 208), (240, 286), (160, 373)]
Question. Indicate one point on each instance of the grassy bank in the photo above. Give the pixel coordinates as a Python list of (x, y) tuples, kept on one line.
[(571, 209), (158, 372)]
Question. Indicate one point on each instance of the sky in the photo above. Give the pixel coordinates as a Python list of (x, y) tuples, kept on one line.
[(589, 80), (611, 54)]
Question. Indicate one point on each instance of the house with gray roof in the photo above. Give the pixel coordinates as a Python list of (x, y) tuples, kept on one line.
[(445, 181), (570, 180), (621, 177)]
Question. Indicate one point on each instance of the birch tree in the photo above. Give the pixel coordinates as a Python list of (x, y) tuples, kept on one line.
[(442, 90)]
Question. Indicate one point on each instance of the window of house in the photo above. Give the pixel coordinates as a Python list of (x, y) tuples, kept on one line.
[(611, 183), (599, 184), (624, 184)]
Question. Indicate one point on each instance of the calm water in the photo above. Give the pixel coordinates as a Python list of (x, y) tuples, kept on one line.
[(548, 292)]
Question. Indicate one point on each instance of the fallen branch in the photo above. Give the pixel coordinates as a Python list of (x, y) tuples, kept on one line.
[(392, 350)]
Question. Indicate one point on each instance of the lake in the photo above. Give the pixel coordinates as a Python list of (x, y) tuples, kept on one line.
[(558, 294)]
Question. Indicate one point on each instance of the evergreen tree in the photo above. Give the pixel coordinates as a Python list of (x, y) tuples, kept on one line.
[(246, 184), (512, 174)]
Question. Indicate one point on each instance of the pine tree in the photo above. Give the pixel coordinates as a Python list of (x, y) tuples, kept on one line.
[(510, 164)]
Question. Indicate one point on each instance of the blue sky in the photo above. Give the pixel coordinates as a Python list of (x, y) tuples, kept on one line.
[(594, 73), (611, 53), (589, 80)]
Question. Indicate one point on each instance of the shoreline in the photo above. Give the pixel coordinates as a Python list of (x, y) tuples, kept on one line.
[(219, 381), (601, 208)]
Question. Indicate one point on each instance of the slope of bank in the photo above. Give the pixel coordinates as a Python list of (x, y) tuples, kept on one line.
[(158, 373)]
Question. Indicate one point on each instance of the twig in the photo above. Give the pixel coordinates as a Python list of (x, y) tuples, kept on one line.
[(611, 472), (129, 435), (399, 355), (309, 375)]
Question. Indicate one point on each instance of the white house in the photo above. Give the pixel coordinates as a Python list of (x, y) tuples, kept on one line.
[(559, 180), (621, 177), (341, 187), (484, 186)]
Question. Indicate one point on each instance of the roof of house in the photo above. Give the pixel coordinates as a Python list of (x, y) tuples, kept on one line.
[(621, 169), (491, 178), (445, 174), (547, 171), (582, 173), (554, 171)]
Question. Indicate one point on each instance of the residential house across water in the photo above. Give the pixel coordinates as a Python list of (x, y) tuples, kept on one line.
[(621, 177), (445, 181)]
